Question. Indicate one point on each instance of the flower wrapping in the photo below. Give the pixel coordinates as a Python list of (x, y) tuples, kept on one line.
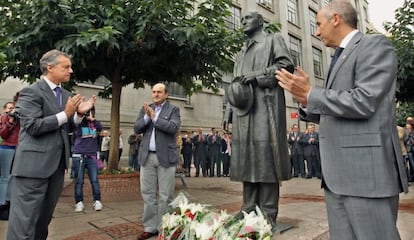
[(194, 221)]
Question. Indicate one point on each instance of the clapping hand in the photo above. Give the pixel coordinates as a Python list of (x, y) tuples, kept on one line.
[(149, 111), (85, 106)]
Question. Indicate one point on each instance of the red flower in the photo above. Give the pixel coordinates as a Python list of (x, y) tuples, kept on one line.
[(177, 233), (189, 214)]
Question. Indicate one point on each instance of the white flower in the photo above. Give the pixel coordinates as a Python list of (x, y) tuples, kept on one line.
[(191, 221)]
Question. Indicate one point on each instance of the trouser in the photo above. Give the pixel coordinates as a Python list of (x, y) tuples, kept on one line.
[(157, 189), (33, 202), (359, 218), (6, 159), (80, 162), (263, 195)]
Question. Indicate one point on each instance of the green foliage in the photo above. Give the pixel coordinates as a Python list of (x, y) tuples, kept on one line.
[(273, 27), (402, 37), (129, 42), (404, 110), (142, 41)]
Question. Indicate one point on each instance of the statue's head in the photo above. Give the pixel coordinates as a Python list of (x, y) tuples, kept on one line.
[(252, 22)]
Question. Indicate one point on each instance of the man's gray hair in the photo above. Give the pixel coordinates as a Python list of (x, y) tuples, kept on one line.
[(50, 58), (345, 9)]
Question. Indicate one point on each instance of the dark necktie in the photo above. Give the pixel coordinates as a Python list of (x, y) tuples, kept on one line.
[(338, 52), (58, 92)]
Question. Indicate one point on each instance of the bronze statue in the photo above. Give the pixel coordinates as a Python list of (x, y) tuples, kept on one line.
[(257, 112)]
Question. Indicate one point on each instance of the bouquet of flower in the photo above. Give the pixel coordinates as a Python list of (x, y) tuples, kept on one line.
[(190, 221)]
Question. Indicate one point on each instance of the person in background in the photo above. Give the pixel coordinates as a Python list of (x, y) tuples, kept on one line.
[(409, 142), (295, 138), (200, 153), (134, 140), (226, 150), (403, 137), (187, 152), (84, 156), (214, 144), (362, 166), (159, 122), (121, 145), (310, 141), (105, 146), (9, 132), (45, 112)]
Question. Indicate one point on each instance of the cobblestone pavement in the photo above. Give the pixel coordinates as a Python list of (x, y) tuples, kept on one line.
[(301, 205)]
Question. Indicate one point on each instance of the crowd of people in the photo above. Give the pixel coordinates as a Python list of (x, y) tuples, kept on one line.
[(210, 153), (304, 152), (407, 137)]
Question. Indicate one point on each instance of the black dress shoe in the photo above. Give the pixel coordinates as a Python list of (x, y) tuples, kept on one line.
[(4, 214), (146, 235)]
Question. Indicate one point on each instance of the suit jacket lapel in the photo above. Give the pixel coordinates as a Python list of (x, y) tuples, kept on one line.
[(342, 58), (50, 95)]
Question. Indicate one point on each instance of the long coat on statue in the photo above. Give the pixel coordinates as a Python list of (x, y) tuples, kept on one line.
[(252, 159)]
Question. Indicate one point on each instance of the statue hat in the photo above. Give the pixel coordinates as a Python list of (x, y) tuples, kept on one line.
[(240, 96)]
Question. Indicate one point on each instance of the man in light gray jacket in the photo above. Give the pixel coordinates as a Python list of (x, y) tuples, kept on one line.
[(362, 166)]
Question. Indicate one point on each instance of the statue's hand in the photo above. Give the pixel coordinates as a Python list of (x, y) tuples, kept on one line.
[(247, 79), (236, 79)]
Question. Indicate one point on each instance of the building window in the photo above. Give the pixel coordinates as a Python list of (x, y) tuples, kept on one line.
[(312, 20), (293, 12), (317, 62), (265, 3), (176, 90), (295, 48), (233, 21)]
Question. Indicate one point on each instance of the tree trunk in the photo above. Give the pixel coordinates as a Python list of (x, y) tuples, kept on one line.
[(113, 157)]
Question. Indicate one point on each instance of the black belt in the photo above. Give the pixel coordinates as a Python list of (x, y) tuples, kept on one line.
[(152, 151)]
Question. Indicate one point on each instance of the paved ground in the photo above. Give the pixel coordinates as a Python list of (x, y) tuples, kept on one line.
[(301, 205)]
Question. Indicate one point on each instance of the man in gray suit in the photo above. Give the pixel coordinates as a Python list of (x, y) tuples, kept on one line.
[(362, 165), (42, 155), (159, 123)]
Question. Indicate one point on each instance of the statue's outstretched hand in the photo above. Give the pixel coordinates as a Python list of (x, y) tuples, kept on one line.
[(247, 79)]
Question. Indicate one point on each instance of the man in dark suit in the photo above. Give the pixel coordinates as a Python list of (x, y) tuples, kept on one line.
[(200, 153), (43, 151), (159, 123), (362, 166), (214, 144), (187, 152), (310, 142), (296, 151)]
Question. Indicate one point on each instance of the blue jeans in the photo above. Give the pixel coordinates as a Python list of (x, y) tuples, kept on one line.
[(411, 161), (6, 159), (80, 162), (133, 161)]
